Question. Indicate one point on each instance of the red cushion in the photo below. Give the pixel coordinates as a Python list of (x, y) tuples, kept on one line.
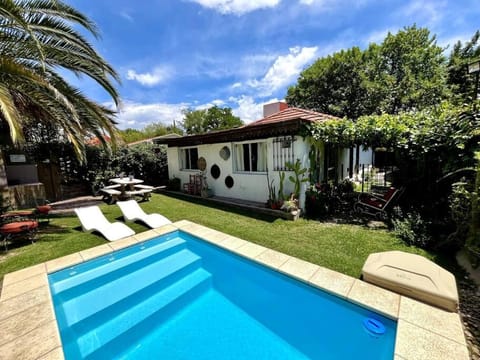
[(374, 202), (44, 209), (389, 193), (18, 227)]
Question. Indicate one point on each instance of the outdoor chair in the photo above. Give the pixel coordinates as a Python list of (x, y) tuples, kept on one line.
[(92, 219), (18, 229), (132, 211), (377, 205)]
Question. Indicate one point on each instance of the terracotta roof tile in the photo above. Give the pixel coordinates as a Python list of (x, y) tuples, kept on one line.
[(292, 114)]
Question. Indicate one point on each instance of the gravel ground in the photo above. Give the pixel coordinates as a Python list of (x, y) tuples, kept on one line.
[(470, 310)]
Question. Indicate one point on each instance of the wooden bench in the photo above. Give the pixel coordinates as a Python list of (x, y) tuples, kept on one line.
[(110, 195), (144, 193)]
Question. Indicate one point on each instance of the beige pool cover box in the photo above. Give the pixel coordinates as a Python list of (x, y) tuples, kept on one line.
[(413, 276)]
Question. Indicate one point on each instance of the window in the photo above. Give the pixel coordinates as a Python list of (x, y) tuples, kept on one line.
[(189, 158), (283, 152), (250, 157)]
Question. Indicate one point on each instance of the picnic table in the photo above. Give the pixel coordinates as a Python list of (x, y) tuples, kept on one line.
[(127, 187)]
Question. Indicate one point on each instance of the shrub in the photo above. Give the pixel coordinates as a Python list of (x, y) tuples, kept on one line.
[(412, 229)]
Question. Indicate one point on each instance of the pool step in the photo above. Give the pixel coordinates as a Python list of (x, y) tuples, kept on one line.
[(122, 331), (85, 277), (110, 293)]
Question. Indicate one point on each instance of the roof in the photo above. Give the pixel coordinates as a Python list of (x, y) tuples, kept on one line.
[(282, 123), (156, 139), (293, 114)]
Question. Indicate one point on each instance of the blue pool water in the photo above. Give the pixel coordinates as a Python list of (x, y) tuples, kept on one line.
[(178, 297)]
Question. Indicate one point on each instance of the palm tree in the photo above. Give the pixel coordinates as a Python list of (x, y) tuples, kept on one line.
[(37, 39)]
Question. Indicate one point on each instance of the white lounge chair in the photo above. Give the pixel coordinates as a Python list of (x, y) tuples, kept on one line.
[(92, 218), (132, 211)]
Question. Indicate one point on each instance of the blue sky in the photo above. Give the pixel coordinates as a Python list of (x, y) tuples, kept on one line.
[(177, 54)]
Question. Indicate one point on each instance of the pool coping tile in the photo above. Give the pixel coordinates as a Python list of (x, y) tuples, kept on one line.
[(123, 243), (332, 281), (64, 262), (272, 258), (146, 235), (383, 301), (27, 289), (96, 251)]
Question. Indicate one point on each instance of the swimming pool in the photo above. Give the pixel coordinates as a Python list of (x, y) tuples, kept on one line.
[(178, 297)]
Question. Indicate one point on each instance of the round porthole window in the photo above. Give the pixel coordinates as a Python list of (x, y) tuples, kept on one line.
[(229, 182), (225, 153), (215, 171)]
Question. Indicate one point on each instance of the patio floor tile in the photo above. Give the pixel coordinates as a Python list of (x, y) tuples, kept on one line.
[(232, 242), (165, 229), (36, 343), (24, 301), (24, 274), (55, 354), (23, 286), (436, 320), (415, 343), (24, 322)]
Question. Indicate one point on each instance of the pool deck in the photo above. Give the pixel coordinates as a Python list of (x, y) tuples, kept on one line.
[(28, 328)]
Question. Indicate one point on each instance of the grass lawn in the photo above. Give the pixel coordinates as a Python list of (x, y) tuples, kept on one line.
[(343, 248)]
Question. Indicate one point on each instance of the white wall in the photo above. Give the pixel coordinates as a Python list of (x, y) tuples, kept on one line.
[(248, 186), (365, 157)]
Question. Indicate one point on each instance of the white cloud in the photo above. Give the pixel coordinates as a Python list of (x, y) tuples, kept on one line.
[(237, 7), (247, 109), (127, 16), (137, 115), (158, 75), (430, 11), (284, 70)]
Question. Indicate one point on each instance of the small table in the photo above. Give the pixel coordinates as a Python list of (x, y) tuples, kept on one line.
[(125, 182)]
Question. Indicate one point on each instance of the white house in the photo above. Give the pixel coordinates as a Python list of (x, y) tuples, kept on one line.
[(239, 160)]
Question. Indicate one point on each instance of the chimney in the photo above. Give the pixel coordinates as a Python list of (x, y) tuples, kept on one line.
[(269, 109)]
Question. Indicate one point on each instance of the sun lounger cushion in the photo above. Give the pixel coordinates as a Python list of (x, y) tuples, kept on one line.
[(414, 276)]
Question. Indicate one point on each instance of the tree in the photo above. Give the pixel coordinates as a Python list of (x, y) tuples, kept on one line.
[(37, 39), (334, 85), (405, 72), (462, 83), (214, 118), (412, 71)]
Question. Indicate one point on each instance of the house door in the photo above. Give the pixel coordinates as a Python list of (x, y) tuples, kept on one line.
[(49, 175)]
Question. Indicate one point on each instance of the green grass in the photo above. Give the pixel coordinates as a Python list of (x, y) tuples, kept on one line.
[(343, 248)]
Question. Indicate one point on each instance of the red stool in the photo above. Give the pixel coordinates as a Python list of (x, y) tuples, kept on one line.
[(27, 228)]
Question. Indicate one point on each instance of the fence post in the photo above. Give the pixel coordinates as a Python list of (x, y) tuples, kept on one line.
[(363, 175)]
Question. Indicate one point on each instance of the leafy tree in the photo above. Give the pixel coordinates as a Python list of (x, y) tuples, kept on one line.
[(335, 85), (412, 72), (37, 39), (461, 82), (130, 135), (405, 72), (214, 118)]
